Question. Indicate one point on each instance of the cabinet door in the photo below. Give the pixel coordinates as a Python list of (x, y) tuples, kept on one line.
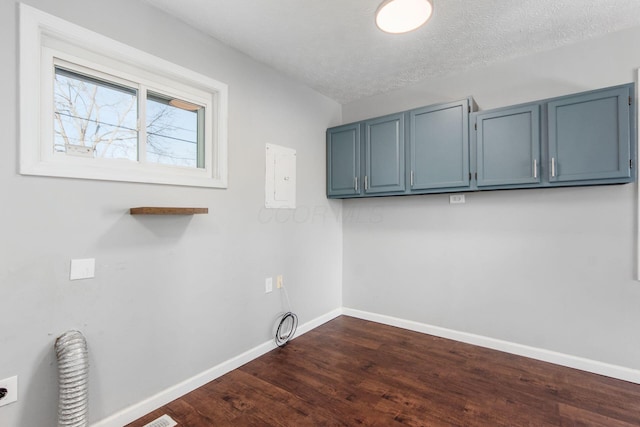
[(508, 146), (589, 136), (343, 160), (384, 154), (439, 145)]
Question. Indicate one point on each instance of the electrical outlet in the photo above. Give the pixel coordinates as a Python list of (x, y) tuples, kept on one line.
[(456, 199), (279, 281), (268, 285), (11, 385)]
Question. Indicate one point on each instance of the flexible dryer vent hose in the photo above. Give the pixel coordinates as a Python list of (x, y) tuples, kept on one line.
[(73, 378)]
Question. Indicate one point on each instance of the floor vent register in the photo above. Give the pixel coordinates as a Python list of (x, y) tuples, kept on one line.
[(163, 421)]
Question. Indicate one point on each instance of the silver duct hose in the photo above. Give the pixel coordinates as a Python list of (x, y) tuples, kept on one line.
[(73, 378)]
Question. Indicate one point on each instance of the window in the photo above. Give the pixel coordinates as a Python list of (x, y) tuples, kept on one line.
[(108, 111), (94, 118), (97, 117), (175, 130)]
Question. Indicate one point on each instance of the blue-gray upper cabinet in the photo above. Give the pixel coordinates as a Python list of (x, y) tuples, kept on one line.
[(343, 160), (507, 145), (384, 155), (589, 137), (439, 147)]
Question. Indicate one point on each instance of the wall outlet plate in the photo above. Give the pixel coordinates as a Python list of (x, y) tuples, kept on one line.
[(279, 281), (11, 384), (456, 199)]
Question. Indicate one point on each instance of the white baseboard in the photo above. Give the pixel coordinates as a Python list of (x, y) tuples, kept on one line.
[(142, 408), (150, 404), (613, 371), (312, 324)]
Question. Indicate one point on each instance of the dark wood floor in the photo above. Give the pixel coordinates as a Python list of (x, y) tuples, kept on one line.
[(353, 372)]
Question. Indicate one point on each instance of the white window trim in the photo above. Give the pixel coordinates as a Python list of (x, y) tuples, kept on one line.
[(43, 38)]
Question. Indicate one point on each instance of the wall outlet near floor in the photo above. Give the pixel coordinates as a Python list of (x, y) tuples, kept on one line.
[(11, 393), (268, 285), (279, 281)]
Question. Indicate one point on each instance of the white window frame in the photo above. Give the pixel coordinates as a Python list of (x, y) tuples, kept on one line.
[(46, 40)]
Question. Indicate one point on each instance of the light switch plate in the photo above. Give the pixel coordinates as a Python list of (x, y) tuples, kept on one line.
[(82, 269), (268, 285)]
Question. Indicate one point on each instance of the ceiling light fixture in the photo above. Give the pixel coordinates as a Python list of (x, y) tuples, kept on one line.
[(402, 16)]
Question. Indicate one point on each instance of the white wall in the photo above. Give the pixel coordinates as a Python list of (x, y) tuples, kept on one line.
[(173, 296), (548, 268)]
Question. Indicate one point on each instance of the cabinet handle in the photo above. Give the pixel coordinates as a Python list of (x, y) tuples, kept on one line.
[(366, 183), (553, 167), (356, 183), (412, 178), (535, 168)]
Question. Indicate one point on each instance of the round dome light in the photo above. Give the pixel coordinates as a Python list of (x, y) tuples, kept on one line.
[(402, 16)]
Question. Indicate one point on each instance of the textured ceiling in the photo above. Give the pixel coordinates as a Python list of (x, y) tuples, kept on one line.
[(334, 46)]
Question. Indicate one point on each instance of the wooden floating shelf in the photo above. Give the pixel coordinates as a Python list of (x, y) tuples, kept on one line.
[(167, 211)]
